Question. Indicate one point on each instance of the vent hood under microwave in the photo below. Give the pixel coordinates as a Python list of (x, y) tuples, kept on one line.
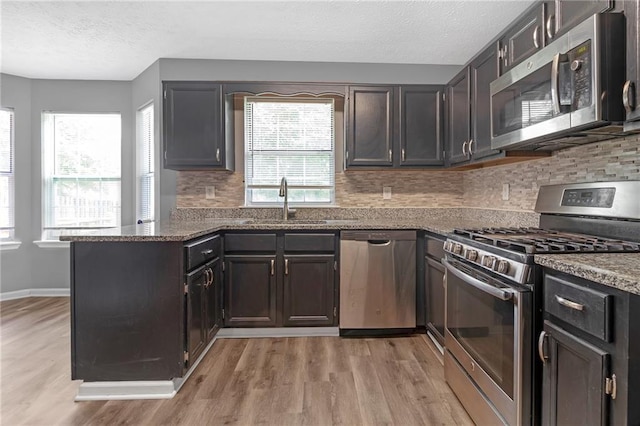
[(568, 93)]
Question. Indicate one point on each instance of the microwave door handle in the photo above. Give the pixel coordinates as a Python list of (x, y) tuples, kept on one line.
[(555, 83), (482, 286)]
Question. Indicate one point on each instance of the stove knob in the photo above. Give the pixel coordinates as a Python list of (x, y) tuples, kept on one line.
[(488, 261), (471, 255), (447, 245), (503, 267), (457, 249)]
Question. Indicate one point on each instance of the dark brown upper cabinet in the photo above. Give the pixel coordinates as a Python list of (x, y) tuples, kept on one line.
[(522, 39), (469, 105), (569, 13), (421, 126), (631, 88), (194, 130), (394, 126), (370, 126)]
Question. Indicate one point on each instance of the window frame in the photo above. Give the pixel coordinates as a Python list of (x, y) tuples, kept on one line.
[(51, 232), (140, 150), (11, 174), (248, 186)]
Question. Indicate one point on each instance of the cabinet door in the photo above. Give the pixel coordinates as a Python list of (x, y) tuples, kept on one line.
[(434, 297), (420, 128), (193, 125), (195, 321), (213, 301), (250, 290), (522, 39), (573, 390), (632, 86), (458, 117), (308, 290), (570, 13), (483, 71), (370, 126)]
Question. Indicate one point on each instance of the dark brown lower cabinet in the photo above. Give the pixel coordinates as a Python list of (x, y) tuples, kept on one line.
[(250, 288), (213, 299), (434, 298), (195, 313), (574, 377), (308, 290)]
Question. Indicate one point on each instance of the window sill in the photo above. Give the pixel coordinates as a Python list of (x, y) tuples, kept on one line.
[(52, 244), (9, 245)]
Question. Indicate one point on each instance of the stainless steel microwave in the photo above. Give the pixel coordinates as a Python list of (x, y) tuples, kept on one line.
[(569, 92)]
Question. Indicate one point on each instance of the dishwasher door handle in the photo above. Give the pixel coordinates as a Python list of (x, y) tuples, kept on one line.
[(379, 242)]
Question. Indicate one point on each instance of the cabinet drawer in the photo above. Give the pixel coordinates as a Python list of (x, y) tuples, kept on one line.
[(587, 309), (309, 242), (202, 250), (250, 242)]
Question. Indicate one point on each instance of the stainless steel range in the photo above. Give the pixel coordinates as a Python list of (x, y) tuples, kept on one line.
[(493, 308)]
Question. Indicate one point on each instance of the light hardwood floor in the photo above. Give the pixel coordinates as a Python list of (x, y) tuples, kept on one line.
[(279, 381)]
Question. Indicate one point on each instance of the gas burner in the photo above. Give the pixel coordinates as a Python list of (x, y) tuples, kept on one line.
[(543, 241)]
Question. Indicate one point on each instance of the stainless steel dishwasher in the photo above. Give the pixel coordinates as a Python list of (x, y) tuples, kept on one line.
[(377, 281)]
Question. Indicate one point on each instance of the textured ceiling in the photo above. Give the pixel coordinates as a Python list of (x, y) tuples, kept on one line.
[(116, 40)]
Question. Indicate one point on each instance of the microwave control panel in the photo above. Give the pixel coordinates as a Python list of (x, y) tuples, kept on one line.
[(580, 64)]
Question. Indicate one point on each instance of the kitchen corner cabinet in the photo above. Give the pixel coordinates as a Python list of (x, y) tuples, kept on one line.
[(589, 351), (468, 110), (194, 127), (394, 126)]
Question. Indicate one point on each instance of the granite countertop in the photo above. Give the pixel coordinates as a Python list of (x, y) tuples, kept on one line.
[(617, 270), (183, 230)]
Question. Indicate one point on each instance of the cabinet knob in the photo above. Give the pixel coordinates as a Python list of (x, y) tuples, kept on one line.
[(286, 266), (536, 42), (390, 155), (541, 354), (273, 267), (628, 96), (550, 21), (218, 154), (469, 147), (464, 148)]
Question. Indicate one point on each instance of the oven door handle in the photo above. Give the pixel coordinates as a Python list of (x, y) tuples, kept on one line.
[(487, 288)]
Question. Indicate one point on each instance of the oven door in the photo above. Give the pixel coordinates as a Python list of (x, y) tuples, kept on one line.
[(489, 332)]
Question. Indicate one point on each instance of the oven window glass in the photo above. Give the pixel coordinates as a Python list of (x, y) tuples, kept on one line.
[(484, 326), (528, 101)]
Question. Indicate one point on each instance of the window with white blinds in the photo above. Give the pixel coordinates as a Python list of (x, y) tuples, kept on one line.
[(145, 192), (7, 176), (292, 138), (81, 171)]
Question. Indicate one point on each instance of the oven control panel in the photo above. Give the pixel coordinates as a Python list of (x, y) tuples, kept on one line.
[(592, 197), (485, 260)]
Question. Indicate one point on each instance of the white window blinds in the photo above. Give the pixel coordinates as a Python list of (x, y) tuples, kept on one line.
[(7, 176), (146, 167), (292, 138), (81, 171)]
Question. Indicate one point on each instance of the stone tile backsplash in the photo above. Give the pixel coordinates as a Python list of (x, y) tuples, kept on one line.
[(617, 159)]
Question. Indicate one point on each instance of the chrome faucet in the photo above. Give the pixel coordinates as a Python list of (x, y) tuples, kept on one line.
[(284, 192)]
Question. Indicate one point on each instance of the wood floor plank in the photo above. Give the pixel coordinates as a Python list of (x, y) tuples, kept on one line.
[(283, 381)]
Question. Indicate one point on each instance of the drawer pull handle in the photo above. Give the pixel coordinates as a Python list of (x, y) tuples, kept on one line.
[(207, 252), (569, 303), (541, 354)]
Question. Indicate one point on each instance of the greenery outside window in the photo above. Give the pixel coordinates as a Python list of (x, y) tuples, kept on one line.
[(292, 138), (81, 172)]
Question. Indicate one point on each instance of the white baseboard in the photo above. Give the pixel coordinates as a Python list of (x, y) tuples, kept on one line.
[(107, 391), (244, 333), (35, 292)]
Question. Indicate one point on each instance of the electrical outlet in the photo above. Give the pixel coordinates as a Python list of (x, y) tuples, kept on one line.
[(210, 192), (386, 192), (505, 191)]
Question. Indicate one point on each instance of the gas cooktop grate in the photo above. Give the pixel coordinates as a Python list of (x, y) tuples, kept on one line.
[(541, 241)]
